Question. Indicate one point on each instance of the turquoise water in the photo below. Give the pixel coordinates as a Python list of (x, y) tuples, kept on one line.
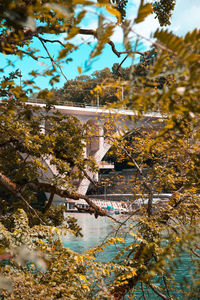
[(95, 231)]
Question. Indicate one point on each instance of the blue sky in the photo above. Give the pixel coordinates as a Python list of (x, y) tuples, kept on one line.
[(185, 18)]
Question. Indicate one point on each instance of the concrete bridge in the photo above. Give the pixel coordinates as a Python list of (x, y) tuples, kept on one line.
[(104, 125)]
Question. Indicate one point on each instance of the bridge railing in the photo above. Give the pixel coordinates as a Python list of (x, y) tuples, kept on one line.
[(124, 109), (65, 103)]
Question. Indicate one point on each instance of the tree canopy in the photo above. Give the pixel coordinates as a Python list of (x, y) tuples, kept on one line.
[(34, 262)]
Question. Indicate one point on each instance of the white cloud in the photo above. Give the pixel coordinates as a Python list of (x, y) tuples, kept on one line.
[(186, 17), (117, 36), (146, 29)]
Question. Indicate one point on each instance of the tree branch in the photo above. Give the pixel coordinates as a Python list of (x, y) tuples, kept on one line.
[(88, 176), (118, 53), (52, 41), (143, 291), (157, 292), (146, 185), (15, 191), (49, 203), (33, 56), (49, 55), (54, 64), (166, 286), (47, 187), (122, 63), (195, 253), (29, 34)]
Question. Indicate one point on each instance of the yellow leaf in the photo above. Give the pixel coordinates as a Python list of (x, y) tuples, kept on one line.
[(143, 12), (79, 70), (82, 277), (86, 287), (114, 12)]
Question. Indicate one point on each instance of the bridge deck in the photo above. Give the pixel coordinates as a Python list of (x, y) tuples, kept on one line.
[(96, 110)]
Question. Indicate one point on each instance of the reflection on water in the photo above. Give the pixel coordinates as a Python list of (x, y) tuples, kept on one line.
[(94, 232)]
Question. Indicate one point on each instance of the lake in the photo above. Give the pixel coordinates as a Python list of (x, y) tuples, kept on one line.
[(95, 231)]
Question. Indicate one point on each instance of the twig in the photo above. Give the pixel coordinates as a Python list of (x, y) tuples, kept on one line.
[(43, 44), (195, 253), (166, 287), (157, 292), (124, 222), (54, 64), (122, 62), (88, 176), (143, 291), (33, 56), (93, 211), (52, 41), (49, 203), (150, 200)]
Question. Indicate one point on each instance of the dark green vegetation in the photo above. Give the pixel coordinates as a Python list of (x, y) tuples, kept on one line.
[(34, 263), (100, 89)]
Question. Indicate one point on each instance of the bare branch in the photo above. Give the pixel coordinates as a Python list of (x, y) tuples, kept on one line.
[(88, 32), (157, 292), (54, 64), (52, 41), (143, 291), (122, 62), (88, 176), (33, 56), (124, 222), (49, 55), (146, 185), (166, 286), (118, 53), (195, 253)]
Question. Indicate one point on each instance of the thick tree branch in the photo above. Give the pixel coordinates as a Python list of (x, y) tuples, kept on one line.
[(88, 32), (6, 256), (49, 203), (12, 188), (118, 53), (29, 34), (63, 193)]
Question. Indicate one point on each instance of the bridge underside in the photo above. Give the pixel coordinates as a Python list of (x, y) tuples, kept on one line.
[(102, 129)]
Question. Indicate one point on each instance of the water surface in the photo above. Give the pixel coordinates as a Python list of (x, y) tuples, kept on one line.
[(95, 232)]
